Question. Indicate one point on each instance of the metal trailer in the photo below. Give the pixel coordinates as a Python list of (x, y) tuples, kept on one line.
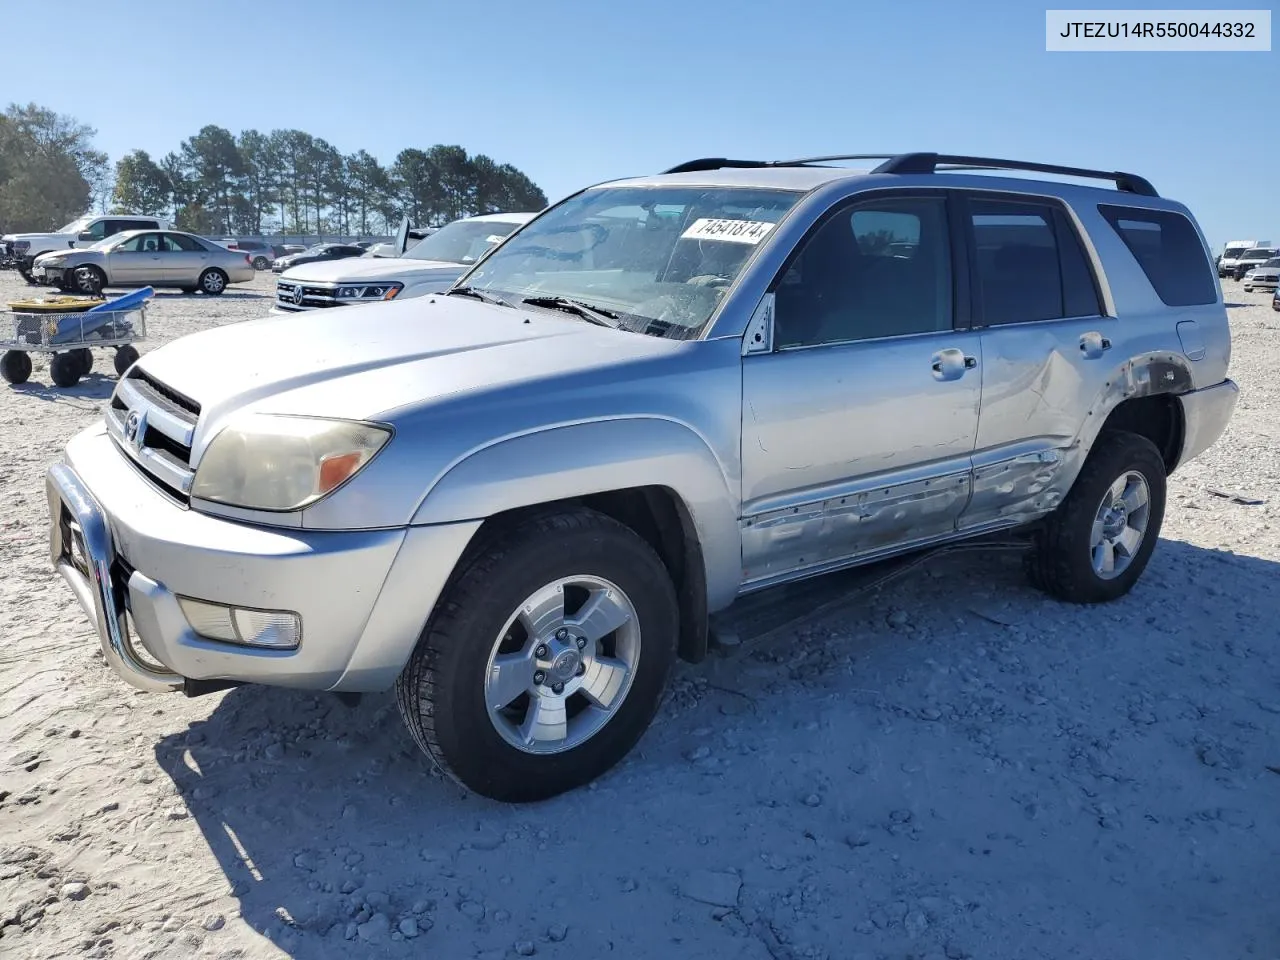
[(70, 339)]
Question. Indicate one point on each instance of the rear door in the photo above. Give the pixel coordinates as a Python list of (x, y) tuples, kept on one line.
[(185, 259), (1046, 348)]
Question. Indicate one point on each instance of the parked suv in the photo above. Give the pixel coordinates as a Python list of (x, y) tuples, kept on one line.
[(429, 266), (517, 503), (23, 248)]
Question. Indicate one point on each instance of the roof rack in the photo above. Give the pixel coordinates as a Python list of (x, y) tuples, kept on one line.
[(933, 163)]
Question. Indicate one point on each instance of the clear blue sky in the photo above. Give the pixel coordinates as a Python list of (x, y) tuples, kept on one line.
[(574, 92)]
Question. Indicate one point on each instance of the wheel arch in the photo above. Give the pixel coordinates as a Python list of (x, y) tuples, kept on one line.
[(1141, 397), (655, 476)]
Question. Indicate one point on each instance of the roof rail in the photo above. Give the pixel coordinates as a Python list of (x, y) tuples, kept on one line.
[(932, 163), (715, 163), (928, 163)]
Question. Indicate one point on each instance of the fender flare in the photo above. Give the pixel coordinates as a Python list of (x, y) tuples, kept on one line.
[(1146, 375), (576, 460)]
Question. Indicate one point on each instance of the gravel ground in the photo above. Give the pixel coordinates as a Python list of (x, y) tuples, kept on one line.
[(953, 767)]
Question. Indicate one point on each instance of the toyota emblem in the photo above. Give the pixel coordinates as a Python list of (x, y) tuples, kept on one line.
[(135, 428), (297, 294)]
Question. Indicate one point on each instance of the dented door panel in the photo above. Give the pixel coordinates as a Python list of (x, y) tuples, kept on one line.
[(848, 449)]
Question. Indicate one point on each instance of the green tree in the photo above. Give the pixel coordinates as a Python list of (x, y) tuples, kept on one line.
[(141, 185), (46, 160), (216, 166)]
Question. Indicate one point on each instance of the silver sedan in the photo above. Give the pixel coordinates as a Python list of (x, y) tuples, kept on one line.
[(142, 258)]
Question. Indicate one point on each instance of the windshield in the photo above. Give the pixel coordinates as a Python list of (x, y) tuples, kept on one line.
[(1256, 254), (1273, 262), (462, 241), (1233, 252), (661, 257), (76, 226), (312, 251), (108, 242)]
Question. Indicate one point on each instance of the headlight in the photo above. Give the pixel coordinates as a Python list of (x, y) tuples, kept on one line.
[(373, 291), (265, 462), (52, 261)]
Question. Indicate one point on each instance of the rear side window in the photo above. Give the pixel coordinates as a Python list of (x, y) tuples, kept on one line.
[(1169, 251), (1029, 263)]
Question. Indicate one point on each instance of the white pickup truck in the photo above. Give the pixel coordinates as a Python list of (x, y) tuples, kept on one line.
[(23, 248)]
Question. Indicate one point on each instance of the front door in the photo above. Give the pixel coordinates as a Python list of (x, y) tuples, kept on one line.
[(136, 261), (858, 425), (1046, 346)]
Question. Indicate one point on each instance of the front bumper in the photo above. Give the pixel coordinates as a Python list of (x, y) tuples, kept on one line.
[(1206, 414), (1264, 282), (128, 552)]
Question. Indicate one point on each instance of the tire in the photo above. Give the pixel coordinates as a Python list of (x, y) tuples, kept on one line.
[(1064, 561), (64, 369), (261, 263), (444, 690), (84, 356), (126, 356), (15, 366), (87, 280), (213, 282), (27, 275)]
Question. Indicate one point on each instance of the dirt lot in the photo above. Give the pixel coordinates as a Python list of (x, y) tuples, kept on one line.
[(956, 767)]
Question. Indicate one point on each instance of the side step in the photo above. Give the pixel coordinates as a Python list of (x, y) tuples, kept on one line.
[(757, 618)]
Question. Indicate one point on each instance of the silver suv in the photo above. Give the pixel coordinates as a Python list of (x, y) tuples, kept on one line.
[(518, 502)]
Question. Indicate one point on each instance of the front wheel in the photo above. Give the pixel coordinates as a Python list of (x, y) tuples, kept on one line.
[(64, 369), (545, 659), (213, 282), (15, 366), (27, 275), (1094, 547), (88, 280), (125, 357)]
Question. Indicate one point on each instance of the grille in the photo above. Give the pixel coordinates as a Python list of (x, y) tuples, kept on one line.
[(313, 296), (319, 295), (153, 425)]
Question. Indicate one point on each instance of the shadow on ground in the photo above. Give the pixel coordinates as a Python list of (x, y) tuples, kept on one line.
[(332, 827)]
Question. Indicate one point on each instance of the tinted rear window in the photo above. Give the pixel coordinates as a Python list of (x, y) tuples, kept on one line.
[(1169, 251)]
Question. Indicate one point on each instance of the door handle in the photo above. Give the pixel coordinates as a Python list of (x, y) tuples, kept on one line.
[(950, 364)]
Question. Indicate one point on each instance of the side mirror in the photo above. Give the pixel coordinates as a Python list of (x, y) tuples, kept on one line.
[(86, 236)]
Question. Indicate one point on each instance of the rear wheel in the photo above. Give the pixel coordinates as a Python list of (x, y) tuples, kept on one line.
[(213, 282), (1094, 547), (64, 369), (261, 263), (545, 659), (15, 366)]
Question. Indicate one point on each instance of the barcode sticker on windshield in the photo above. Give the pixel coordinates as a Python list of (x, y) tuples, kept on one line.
[(734, 231), (494, 238)]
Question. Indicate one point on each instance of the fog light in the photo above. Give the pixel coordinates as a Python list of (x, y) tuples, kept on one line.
[(274, 629)]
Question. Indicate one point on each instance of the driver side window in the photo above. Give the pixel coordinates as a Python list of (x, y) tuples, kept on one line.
[(133, 244), (881, 268), (98, 230)]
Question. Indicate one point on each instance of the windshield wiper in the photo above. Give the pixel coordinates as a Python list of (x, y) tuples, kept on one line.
[(477, 294), (596, 315)]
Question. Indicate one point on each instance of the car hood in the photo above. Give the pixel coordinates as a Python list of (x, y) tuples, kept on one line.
[(70, 255), (383, 361), (357, 269)]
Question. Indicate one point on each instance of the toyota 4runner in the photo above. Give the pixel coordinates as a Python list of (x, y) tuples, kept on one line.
[(519, 501)]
